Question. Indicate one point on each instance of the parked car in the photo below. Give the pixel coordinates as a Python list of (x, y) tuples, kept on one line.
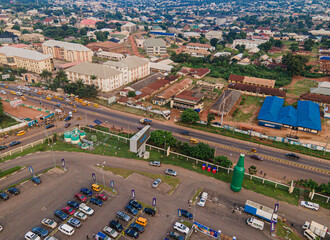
[(40, 231), (123, 216), (135, 204), (74, 222), (186, 214), (14, 143), (85, 209), (4, 196), (310, 205), (116, 225), (181, 228), (68, 210), (149, 211), (80, 197), (156, 183), (66, 229), (101, 236), (31, 236), (111, 232), (185, 133), (36, 180), (73, 204), (256, 157), (13, 191), (292, 155), (137, 227), (131, 233), (131, 210), (3, 147), (51, 238), (67, 119), (96, 202), (171, 172), (67, 125), (49, 223), (80, 215), (176, 236), (101, 196), (49, 126), (155, 163), (86, 191), (61, 215)]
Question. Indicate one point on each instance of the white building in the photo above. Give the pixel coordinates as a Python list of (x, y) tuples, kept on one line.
[(191, 34), (155, 46), (213, 34), (249, 44), (130, 27)]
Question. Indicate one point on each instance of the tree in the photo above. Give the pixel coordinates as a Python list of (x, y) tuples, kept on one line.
[(278, 43), (223, 161), (308, 44), (210, 118), (295, 63), (294, 47), (202, 151), (60, 80), (265, 46), (45, 75), (240, 48), (131, 94), (214, 42), (163, 138), (189, 116), (100, 25), (16, 27), (252, 170)]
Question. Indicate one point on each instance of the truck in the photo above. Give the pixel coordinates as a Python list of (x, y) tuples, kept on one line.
[(316, 228), (146, 121), (261, 211)]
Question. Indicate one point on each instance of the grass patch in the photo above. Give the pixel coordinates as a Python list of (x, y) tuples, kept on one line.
[(285, 232), (9, 171), (302, 86), (188, 224), (243, 117), (119, 171), (7, 121), (194, 198), (113, 191), (215, 80), (136, 111)]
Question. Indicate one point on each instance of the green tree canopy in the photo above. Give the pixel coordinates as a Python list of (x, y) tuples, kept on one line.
[(223, 161), (210, 118), (189, 116), (295, 63), (163, 138)]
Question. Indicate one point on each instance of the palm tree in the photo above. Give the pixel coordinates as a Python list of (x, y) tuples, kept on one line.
[(45, 75), (61, 79)]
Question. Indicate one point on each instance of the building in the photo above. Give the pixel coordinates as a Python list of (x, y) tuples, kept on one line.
[(265, 30), (67, 51), (251, 80), (8, 37), (108, 46), (324, 62), (152, 89), (191, 35), (32, 61), (320, 32), (322, 89), (209, 86), (165, 96), (326, 111), (317, 98), (305, 118), (32, 37), (188, 100), (110, 55), (129, 27), (258, 91), (226, 102), (249, 44), (106, 78), (199, 46), (213, 34), (154, 46), (89, 23), (133, 68), (194, 72)]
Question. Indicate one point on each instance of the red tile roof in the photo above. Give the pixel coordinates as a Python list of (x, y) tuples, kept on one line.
[(175, 89), (153, 87), (236, 78), (199, 45), (188, 95), (316, 97), (88, 22)]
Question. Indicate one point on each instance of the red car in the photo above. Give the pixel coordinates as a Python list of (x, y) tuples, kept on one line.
[(80, 197), (101, 196), (68, 210)]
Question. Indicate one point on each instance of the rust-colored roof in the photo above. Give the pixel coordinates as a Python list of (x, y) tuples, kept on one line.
[(316, 97), (236, 78), (187, 95), (95, 46), (199, 45), (257, 89), (153, 87), (175, 89), (172, 78)]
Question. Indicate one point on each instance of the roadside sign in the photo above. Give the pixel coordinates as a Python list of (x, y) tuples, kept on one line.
[(94, 177), (63, 163), (154, 202), (31, 169), (5, 76), (98, 122), (112, 184), (276, 208), (133, 193), (179, 213), (272, 226)]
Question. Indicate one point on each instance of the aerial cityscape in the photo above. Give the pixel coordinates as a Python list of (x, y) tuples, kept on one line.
[(164, 120)]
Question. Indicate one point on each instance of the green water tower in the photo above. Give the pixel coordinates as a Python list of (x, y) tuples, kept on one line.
[(238, 175)]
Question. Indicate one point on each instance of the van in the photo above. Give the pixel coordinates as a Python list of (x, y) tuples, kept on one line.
[(186, 133), (123, 216), (255, 223), (309, 235), (13, 92), (203, 199), (66, 229), (96, 187), (142, 221), (20, 133)]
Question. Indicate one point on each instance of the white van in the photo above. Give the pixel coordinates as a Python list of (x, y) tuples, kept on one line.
[(309, 235), (203, 199), (255, 223), (66, 229)]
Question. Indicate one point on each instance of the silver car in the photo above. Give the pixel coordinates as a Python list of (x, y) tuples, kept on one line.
[(111, 232), (80, 215), (156, 183), (170, 172), (155, 163)]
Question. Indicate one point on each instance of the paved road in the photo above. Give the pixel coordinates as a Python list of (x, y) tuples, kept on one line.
[(36, 202), (275, 170)]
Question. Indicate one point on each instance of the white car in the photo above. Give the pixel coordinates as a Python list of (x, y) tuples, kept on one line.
[(49, 223), (156, 183), (80, 215), (85, 209), (181, 228), (310, 205), (111, 232), (201, 202), (32, 236), (66, 229), (155, 163), (171, 172)]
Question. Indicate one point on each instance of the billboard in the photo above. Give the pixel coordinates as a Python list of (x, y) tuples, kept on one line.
[(16, 103), (5, 76), (137, 141), (206, 230)]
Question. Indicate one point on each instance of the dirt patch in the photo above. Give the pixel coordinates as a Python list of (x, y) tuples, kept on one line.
[(21, 112), (290, 101)]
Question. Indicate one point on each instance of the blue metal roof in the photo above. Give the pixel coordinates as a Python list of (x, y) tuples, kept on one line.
[(288, 116), (325, 58), (309, 115), (270, 109)]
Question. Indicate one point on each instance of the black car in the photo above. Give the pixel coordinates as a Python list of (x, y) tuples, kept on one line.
[(73, 204), (132, 233), (135, 204), (13, 191), (3, 147), (96, 202), (256, 157), (186, 133), (36, 180), (150, 211), (116, 225), (292, 155), (186, 214), (67, 119), (137, 227), (4, 196), (49, 126)]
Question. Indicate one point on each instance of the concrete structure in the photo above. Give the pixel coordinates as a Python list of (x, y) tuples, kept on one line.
[(324, 62), (8, 37), (199, 46), (108, 47), (67, 51), (251, 81), (226, 102), (107, 78), (258, 91), (130, 27), (155, 46), (213, 34), (32, 61), (32, 37), (188, 100), (194, 72), (249, 44), (322, 89), (110, 55)]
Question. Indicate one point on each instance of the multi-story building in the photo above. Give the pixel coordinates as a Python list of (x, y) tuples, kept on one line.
[(32, 61), (155, 46), (130, 27), (324, 62), (249, 44), (188, 100), (8, 37), (71, 52), (213, 34), (108, 46), (32, 37), (199, 46)]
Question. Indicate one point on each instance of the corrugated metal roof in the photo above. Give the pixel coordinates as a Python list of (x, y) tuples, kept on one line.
[(271, 108), (24, 53), (309, 115), (288, 116), (66, 45)]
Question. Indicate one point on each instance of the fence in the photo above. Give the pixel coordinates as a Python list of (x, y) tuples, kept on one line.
[(218, 167)]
